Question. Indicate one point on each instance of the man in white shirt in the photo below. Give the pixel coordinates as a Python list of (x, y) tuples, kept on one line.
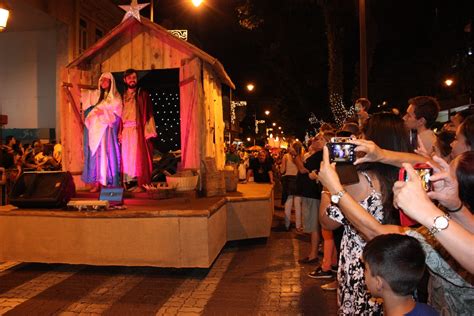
[(420, 116)]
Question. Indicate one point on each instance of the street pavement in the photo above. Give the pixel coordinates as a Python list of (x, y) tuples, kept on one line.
[(252, 277)]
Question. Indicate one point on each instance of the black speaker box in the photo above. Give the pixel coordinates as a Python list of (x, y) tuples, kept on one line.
[(43, 189)]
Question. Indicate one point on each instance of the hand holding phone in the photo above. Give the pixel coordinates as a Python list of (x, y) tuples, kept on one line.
[(424, 171), (343, 154)]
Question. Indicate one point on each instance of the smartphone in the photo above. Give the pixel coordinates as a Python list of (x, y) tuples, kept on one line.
[(341, 139), (340, 151), (424, 172)]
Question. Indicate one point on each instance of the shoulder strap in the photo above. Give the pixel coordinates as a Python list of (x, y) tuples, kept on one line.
[(366, 175)]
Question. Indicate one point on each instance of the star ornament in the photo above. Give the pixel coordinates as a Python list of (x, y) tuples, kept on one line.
[(133, 10)]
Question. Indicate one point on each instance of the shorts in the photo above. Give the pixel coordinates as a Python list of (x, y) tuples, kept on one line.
[(310, 212)]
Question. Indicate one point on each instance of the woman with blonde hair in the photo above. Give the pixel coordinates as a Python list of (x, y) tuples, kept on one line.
[(289, 170)]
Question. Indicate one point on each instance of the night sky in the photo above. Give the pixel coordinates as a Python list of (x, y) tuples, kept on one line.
[(413, 46)]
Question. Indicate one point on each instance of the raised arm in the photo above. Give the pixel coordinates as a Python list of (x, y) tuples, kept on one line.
[(365, 223), (411, 197), (446, 192), (374, 153), (325, 221)]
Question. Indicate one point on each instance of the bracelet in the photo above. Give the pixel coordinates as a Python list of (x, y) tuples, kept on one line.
[(457, 209)]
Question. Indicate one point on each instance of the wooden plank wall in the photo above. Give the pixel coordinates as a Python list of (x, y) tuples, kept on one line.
[(191, 115), (215, 128), (140, 48), (209, 115), (71, 125)]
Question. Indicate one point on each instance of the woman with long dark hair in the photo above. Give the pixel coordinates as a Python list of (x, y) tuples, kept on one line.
[(374, 195), (451, 288)]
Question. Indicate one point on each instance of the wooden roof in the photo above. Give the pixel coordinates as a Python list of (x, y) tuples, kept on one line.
[(109, 37)]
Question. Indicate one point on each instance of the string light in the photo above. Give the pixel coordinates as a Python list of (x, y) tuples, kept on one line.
[(167, 118), (233, 105), (313, 120), (338, 109)]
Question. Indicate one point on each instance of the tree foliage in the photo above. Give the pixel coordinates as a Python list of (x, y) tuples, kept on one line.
[(302, 46)]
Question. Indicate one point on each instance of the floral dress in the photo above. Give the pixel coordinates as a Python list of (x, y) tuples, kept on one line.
[(353, 298)]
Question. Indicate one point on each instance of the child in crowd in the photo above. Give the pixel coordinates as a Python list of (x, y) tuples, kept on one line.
[(394, 265)]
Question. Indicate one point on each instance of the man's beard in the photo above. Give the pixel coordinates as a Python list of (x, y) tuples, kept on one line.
[(132, 85)]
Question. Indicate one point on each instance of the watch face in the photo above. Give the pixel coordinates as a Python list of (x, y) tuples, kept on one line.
[(335, 199), (441, 222)]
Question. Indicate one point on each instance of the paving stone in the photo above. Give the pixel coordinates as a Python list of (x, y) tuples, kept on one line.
[(190, 310)]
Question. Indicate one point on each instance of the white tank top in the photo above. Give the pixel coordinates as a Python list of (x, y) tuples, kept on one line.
[(291, 169)]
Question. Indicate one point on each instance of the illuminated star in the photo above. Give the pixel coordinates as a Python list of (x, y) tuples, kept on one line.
[(133, 10)]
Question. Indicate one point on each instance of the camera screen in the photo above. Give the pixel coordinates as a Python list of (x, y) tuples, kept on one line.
[(424, 174), (341, 152)]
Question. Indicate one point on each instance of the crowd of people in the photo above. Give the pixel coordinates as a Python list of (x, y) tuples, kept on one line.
[(17, 157), (365, 246)]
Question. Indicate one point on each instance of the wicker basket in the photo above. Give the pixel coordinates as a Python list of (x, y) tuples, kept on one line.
[(214, 184), (182, 183), (160, 191), (231, 176)]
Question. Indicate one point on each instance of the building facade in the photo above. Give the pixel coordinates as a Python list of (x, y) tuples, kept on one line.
[(40, 39)]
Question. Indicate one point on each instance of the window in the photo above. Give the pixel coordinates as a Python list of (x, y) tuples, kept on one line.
[(98, 34), (83, 41)]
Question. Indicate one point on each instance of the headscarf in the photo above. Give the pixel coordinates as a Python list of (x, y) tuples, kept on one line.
[(111, 106)]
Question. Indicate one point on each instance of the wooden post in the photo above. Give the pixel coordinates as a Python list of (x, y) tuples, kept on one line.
[(363, 50)]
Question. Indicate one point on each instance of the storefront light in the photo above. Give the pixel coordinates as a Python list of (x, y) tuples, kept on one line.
[(4, 14)]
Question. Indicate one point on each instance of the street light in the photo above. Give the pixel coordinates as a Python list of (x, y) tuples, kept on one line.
[(4, 14), (267, 112), (274, 124), (197, 3), (250, 87), (449, 82)]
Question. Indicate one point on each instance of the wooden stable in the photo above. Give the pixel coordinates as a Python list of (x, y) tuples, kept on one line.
[(144, 45)]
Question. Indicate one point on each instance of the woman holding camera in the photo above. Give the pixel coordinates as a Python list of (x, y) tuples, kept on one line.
[(373, 191), (451, 288)]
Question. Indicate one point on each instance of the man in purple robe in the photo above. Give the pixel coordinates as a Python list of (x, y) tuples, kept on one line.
[(138, 127)]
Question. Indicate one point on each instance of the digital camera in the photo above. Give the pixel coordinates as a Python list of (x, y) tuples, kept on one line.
[(340, 151)]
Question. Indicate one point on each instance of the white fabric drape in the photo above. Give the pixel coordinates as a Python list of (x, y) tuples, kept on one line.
[(104, 114)]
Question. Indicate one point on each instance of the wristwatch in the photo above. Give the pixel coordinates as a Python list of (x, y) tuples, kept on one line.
[(439, 223), (336, 197)]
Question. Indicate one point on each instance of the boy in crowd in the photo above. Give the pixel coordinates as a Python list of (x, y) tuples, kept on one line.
[(420, 116), (394, 265)]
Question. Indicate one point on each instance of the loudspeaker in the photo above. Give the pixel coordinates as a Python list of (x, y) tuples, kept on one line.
[(43, 189)]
